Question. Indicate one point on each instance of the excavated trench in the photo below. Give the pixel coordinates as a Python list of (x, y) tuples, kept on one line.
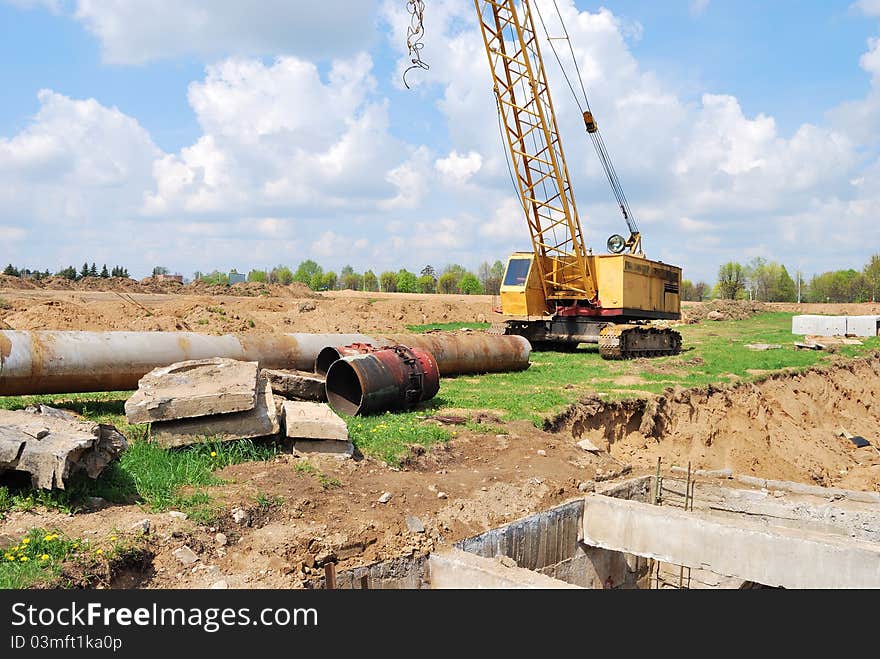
[(788, 426)]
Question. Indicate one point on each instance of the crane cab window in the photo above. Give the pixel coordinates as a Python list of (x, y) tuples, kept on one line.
[(517, 272)]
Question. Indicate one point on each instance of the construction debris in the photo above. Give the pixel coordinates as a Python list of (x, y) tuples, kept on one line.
[(195, 388), (315, 428), (52, 445), (760, 347), (858, 441), (297, 385), (261, 421), (809, 345)]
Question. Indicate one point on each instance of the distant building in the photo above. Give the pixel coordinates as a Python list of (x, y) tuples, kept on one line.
[(177, 278), (236, 277)]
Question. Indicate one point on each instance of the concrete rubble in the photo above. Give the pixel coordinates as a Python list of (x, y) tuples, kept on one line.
[(195, 388), (52, 445), (315, 428), (297, 385), (261, 421), (225, 399)]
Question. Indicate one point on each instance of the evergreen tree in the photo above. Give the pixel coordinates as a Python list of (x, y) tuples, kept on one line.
[(93, 271), (84, 272), (104, 273)]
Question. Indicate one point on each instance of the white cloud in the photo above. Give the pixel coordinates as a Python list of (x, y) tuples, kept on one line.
[(698, 7), (869, 7), (138, 31), (54, 6), (459, 169), (280, 137)]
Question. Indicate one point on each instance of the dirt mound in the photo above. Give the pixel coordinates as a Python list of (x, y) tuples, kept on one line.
[(721, 310), (16, 283), (786, 425), (158, 286)]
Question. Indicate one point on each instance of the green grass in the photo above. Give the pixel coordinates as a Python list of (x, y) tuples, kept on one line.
[(145, 473), (36, 558), (448, 327), (714, 353)]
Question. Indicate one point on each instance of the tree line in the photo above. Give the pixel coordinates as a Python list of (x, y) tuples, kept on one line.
[(69, 272), (452, 279), (769, 281)]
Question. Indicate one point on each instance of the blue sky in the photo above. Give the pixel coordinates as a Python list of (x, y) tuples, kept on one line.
[(754, 129)]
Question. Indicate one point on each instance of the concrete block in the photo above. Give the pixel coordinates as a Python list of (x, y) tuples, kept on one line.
[(460, 569), (52, 445), (195, 388), (306, 420), (818, 325), (328, 446), (750, 550), (297, 385), (863, 325), (262, 421)]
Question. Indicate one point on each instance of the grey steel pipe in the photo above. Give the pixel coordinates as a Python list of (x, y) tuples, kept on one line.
[(52, 362)]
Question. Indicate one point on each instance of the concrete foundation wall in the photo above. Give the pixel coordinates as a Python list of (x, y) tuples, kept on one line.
[(778, 507), (742, 548), (461, 569), (835, 325)]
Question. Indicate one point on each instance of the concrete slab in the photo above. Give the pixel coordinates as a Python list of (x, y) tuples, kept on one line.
[(761, 553), (52, 445), (307, 420), (325, 446), (460, 569), (195, 388), (297, 385), (262, 421), (819, 325)]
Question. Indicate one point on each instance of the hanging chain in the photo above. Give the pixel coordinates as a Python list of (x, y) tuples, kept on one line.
[(414, 35)]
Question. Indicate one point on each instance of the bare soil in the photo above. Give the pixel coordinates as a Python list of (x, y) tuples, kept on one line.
[(784, 427)]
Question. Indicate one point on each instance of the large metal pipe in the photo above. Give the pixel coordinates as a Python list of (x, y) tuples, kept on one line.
[(52, 362), (397, 378)]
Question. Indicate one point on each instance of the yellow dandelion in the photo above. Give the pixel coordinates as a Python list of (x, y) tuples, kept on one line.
[(25, 541), (49, 538), (10, 557), (44, 557), (99, 551), (24, 559), (76, 546), (213, 454)]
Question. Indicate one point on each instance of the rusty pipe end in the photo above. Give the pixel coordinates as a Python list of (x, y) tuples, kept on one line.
[(345, 390), (325, 359)]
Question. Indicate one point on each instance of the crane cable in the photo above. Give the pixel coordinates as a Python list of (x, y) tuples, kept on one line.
[(596, 137), (415, 34)]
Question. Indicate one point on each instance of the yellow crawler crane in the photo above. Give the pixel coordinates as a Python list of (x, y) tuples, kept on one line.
[(560, 294)]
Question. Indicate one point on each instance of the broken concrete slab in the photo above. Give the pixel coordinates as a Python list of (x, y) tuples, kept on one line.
[(195, 388), (52, 445), (460, 569), (326, 446), (297, 385), (809, 346), (262, 421), (760, 347), (307, 420)]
